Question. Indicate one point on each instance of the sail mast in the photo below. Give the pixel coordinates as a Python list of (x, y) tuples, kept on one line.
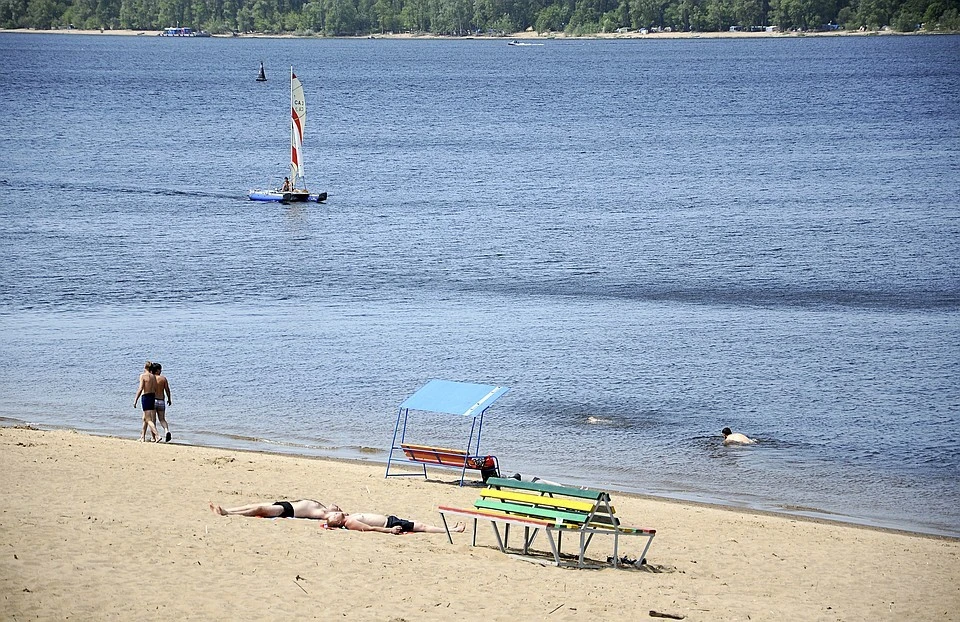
[(294, 156)]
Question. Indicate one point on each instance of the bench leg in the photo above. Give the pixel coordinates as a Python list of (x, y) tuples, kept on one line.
[(616, 549), (586, 545), (446, 528), (583, 546), (496, 532), (553, 546), (643, 555), (528, 538)]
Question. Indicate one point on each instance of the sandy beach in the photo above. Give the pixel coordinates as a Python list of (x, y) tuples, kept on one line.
[(96, 527)]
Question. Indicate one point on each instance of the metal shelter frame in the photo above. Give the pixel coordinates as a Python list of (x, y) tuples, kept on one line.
[(446, 397)]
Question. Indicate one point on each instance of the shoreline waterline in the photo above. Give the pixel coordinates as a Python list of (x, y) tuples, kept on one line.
[(632, 36), (354, 455)]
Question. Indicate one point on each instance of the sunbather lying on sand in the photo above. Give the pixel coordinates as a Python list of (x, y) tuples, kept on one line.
[(305, 508), (368, 521)]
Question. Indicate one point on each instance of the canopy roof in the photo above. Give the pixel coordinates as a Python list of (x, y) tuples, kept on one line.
[(454, 398)]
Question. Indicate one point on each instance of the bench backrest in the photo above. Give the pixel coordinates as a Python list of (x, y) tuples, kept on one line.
[(569, 491), (565, 505), (444, 456), (438, 455)]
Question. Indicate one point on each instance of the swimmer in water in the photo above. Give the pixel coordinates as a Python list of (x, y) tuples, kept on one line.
[(735, 438)]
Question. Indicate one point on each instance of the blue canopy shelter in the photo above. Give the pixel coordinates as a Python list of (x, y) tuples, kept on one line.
[(463, 399)]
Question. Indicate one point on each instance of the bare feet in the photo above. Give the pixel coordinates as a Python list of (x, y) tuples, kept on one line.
[(216, 509), (458, 528)]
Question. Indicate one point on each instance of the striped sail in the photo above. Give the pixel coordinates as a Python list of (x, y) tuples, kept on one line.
[(298, 117)]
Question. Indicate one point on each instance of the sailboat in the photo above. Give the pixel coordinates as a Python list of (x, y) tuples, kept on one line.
[(261, 77), (294, 189)]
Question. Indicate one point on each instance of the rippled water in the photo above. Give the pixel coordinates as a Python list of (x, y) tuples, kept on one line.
[(647, 241)]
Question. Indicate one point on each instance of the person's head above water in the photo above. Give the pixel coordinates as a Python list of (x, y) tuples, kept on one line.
[(726, 431)]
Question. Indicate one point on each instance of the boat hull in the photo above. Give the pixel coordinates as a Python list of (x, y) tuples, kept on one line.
[(286, 197)]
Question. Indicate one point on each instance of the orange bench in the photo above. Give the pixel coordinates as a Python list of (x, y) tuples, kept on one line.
[(451, 458)]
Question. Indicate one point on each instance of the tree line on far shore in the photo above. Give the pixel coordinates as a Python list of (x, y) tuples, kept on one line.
[(481, 17)]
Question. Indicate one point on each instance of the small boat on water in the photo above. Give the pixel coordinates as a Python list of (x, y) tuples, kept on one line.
[(262, 76), (294, 189), (523, 43), (183, 32)]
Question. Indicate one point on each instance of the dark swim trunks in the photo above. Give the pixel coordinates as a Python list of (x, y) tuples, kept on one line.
[(405, 525), (147, 401), (287, 509)]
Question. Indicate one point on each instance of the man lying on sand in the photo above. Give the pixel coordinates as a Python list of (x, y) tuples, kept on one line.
[(384, 524), (304, 508)]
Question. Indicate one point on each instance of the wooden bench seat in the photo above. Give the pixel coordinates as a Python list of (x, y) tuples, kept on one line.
[(450, 458), (551, 509)]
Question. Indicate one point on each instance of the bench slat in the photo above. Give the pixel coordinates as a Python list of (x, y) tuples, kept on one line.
[(539, 500), (430, 448), (495, 515), (580, 493), (441, 456), (435, 458), (525, 510)]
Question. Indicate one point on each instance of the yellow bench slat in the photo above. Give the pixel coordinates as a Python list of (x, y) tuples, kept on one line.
[(532, 499)]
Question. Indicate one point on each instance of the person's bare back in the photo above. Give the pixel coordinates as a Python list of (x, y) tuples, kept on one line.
[(735, 438), (148, 383), (163, 389)]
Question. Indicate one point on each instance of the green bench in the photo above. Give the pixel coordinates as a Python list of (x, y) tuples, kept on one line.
[(554, 510)]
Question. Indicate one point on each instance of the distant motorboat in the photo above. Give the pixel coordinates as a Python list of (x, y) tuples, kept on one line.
[(183, 32), (261, 77), (523, 43)]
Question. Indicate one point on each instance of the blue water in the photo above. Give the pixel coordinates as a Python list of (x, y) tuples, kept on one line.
[(646, 240)]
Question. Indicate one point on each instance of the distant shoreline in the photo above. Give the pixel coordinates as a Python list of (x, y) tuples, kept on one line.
[(519, 35)]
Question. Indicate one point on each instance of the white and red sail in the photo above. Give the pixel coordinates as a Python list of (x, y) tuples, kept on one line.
[(298, 118)]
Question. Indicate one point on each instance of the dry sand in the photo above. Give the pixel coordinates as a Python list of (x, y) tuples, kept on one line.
[(95, 528)]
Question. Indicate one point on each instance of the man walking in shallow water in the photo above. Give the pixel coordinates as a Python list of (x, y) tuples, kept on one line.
[(146, 391)]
